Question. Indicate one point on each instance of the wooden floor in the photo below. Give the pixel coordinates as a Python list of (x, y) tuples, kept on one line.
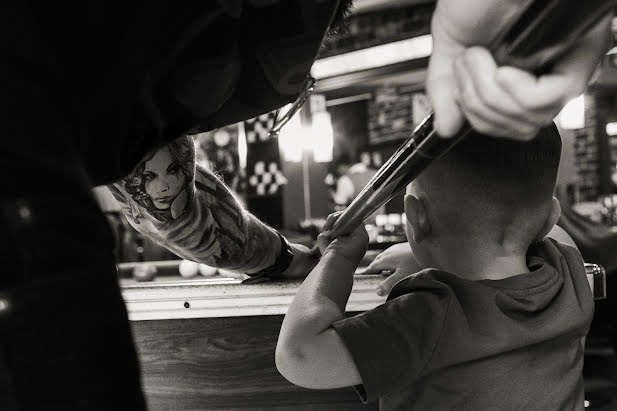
[(223, 363)]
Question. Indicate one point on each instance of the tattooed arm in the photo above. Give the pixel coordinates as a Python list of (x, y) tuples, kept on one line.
[(189, 210)]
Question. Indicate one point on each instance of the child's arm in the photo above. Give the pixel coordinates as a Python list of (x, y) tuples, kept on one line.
[(309, 352)]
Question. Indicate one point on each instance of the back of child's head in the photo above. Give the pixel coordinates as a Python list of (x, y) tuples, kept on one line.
[(494, 185)]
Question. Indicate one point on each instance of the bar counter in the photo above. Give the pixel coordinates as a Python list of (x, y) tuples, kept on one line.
[(209, 343)]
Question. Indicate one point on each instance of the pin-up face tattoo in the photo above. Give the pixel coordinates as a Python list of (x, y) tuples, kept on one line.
[(163, 179), (161, 182)]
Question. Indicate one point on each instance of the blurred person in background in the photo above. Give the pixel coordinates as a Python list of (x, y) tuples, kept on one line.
[(352, 177)]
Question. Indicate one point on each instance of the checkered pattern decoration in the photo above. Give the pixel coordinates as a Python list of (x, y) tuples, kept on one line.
[(264, 175), (257, 128), (263, 160), (266, 180)]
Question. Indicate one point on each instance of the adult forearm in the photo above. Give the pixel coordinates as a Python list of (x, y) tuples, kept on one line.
[(218, 231), (188, 210)]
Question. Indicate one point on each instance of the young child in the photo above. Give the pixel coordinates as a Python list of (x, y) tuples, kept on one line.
[(496, 319)]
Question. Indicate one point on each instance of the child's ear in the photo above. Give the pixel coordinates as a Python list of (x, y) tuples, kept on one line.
[(551, 220), (417, 218)]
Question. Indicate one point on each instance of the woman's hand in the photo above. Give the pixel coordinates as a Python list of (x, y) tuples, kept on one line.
[(352, 246), (396, 262)]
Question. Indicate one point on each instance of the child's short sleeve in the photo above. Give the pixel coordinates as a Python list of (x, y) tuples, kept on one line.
[(392, 343)]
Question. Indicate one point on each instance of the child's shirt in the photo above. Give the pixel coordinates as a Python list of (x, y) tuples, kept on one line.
[(443, 342)]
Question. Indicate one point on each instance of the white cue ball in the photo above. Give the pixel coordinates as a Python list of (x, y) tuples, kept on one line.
[(207, 271), (188, 269)]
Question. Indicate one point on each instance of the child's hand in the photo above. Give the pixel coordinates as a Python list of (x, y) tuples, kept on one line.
[(396, 263), (352, 246)]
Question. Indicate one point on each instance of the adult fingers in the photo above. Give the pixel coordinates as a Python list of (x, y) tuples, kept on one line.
[(488, 108), (440, 84), (488, 126), (546, 93), (568, 78), (480, 69)]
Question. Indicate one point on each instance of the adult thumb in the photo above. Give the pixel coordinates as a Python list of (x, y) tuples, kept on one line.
[(441, 89)]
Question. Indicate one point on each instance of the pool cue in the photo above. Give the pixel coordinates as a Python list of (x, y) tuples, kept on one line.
[(542, 33)]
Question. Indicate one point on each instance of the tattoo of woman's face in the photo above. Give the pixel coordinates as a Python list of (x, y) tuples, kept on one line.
[(161, 183), (163, 179)]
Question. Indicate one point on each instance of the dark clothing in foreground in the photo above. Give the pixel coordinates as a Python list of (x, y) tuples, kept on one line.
[(88, 89), (441, 342)]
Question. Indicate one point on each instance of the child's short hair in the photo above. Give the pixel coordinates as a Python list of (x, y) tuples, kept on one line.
[(495, 175), (522, 167)]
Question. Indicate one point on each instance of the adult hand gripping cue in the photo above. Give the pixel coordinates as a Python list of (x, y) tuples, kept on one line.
[(543, 31)]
